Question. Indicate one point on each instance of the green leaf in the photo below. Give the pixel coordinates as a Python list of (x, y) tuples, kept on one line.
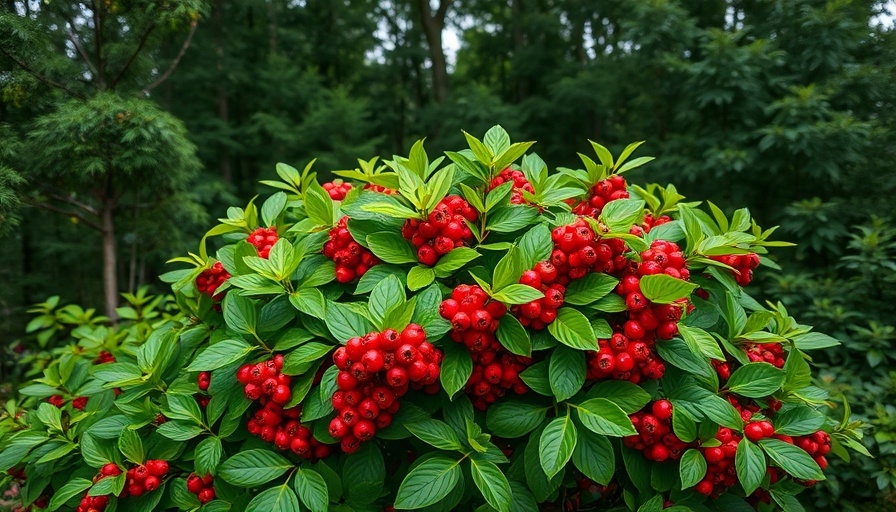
[(507, 219), (252, 468), (542, 486), (386, 294), (517, 294), (346, 323), (594, 457), (179, 430), (792, 459), (692, 468), (573, 329), (275, 499), (683, 425), (589, 289), (756, 380), (131, 446), (603, 154), (631, 398), (492, 483), (536, 245), (602, 416), (436, 434), (508, 270), (68, 491), (393, 210), (536, 377), (319, 205), (428, 483), (513, 336), (271, 208), (798, 421), (239, 313), (814, 340), (220, 354), (701, 341), (637, 162), (312, 489), (677, 352), (391, 248), (208, 455), (516, 150), (566, 371), (797, 373), (665, 289), (480, 150), (457, 366), (556, 444), (496, 139), (620, 215), (514, 418), (297, 361), (454, 260), (749, 461), (421, 276)]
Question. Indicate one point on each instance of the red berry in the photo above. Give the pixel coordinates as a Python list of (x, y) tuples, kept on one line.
[(157, 467), (754, 432), (206, 495), (364, 430), (662, 409), (194, 484), (152, 483)]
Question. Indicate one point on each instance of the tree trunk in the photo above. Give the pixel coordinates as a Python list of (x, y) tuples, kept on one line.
[(433, 24), (110, 262)]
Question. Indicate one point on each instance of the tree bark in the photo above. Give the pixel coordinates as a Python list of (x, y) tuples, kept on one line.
[(433, 24), (110, 262)]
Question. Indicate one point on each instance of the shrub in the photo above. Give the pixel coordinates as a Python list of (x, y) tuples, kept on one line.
[(454, 334)]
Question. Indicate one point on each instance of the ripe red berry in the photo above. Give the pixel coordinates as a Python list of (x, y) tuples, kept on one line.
[(206, 495), (337, 428), (157, 467), (704, 487), (152, 483), (194, 483), (373, 360), (714, 454), (754, 432), (662, 409), (281, 395), (364, 430)]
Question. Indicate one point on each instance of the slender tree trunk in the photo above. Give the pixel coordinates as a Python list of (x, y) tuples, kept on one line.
[(519, 42), (110, 261), (433, 24)]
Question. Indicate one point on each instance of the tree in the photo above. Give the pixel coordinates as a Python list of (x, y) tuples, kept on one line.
[(94, 148)]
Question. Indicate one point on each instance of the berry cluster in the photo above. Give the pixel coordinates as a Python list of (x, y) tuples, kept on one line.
[(272, 423), (649, 222), (474, 320), (146, 477), (772, 353), (600, 194), (263, 381), (263, 239), (442, 231), (203, 487), (98, 503), (720, 469), (337, 189), (374, 371), (743, 264), (655, 437), (578, 251), (104, 357), (211, 278), (540, 312), (520, 183), (621, 358), (352, 260), (78, 403), (817, 445), (380, 189)]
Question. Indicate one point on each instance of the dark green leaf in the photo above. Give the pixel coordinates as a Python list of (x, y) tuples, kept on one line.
[(594, 457), (391, 248), (492, 483), (665, 289), (428, 483), (602, 416), (220, 354), (566, 371), (312, 489), (457, 366), (556, 444), (749, 461), (792, 459), (756, 380), (589, 289), (573, 329), (692, 468), (513, 336), (514, 418), (252, 468)]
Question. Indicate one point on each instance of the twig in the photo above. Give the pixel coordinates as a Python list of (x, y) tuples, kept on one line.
[(40, 77), (77, 215), (174, 64), (74, 202), (127, 65), (74, 39)]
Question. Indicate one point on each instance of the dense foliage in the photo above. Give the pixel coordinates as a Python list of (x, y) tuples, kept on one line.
[(785, 107), (462, 332)]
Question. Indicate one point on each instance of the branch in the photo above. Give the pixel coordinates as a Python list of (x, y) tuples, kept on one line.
[(143, 40), (174, 64), (76, 215), (37, 75), (74, 39), (74, 202)]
